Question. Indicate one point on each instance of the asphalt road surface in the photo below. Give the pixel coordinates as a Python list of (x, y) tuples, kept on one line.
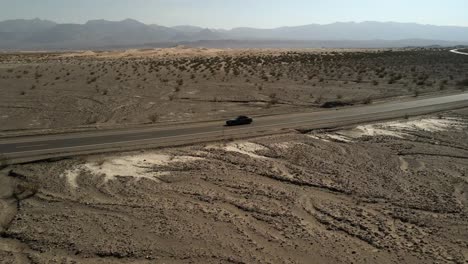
[(458, 52), (35, 147)]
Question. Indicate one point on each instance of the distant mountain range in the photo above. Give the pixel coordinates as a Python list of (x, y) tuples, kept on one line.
[(37, 34)]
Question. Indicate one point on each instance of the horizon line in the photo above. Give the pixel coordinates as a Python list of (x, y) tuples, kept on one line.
[(231, 28)]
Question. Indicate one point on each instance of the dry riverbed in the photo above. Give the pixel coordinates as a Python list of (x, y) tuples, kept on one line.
[(393, 192)]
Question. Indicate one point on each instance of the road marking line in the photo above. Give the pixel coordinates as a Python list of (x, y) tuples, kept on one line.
[(323, 122), (31, 146), (134, 136), (422, 102), (257, 128)]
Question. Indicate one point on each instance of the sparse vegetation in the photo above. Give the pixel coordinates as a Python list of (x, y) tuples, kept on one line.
[(368, 100), (273, 98), (3, 162), (154, 117), (463, 83), (235, 78)]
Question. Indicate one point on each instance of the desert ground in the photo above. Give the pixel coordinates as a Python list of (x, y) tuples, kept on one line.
[(389, 192), (86, 90)]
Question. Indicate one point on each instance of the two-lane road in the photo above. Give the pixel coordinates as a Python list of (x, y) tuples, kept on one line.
[(35, 147), (456, 51)]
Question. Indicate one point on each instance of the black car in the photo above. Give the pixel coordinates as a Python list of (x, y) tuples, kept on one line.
[(240, 120)]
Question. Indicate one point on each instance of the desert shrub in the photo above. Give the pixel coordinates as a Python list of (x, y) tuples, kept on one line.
[(25, 190), (368, 100), (100, 161), (375, 82), (463, 82), (153, 117), (319, 99), (3, 162), (273, 98), (91, 80)]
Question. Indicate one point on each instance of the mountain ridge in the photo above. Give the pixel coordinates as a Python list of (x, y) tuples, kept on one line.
[(100, 33)]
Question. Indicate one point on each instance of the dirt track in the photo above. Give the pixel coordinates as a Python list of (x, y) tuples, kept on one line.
[(385, 193)]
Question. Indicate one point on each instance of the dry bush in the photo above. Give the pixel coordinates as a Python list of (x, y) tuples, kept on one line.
[(273, 98), (153, 117), (3, 162), (25, 190), (463, 82), (319, 99), (368, 100)]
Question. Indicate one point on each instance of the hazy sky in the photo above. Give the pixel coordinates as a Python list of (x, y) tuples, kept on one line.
[(236, 13)]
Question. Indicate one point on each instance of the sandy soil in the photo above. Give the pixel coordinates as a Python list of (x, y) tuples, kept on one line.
[(122, 88), (393, 192)]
